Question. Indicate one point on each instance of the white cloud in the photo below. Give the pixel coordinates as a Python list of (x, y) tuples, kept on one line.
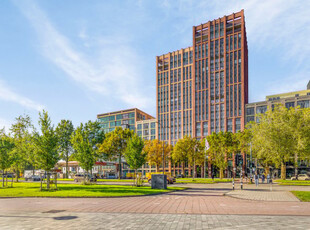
[(7, 94), (114, 72)]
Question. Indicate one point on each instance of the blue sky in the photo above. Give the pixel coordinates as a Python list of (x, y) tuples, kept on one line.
[(79, 58)]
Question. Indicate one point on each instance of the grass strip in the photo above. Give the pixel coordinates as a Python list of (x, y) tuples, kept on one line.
[(293, 182), (302, 195), (201, 180), (78, 190)]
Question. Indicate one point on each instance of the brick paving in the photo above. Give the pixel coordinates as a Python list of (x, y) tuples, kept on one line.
[(69, 220), (201, 207), (192, 201), (263, 195)]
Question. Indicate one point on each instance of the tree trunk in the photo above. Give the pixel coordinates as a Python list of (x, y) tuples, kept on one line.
[(189, 170), (48, 181), (283, 171), (135, 178), (120, 167), (221, 173), (157, 167), (267, 170), (203, 171), (67, 165), (17, 172), (194, 170), (209, 169), (234, 165), (296, 165), (3, 178), (183, 168)]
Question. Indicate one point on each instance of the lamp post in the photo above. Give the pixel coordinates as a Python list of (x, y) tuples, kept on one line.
[(251, 161), (163, 155)]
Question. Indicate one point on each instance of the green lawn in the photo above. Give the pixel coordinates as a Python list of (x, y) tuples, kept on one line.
[(302, 195), (105, 180), (293, 182), (201, 180), (77, 190)]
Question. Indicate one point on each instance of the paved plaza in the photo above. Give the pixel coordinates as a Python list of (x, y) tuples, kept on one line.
[(69, 220), (201, 206)]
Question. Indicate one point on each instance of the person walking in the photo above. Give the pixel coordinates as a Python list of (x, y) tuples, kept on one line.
[(263, 178), (268, 178), (256, 178)]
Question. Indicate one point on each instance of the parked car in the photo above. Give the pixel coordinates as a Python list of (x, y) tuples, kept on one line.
[(9, 175), (32, 178), (180, 176), (80, 177), (301, 177)]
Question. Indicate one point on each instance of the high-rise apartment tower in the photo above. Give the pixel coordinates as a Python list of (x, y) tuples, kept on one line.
[(204, 88)]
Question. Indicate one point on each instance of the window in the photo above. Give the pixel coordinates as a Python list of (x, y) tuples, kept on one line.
[(119, 116), (229, 125), (205, 128), (112, 118), (304, 104), (238, 124), (250, 111), (261, 109), (139, 126), (198, 130), (139, 133), (250, 118), (145, 132), (153, 131), (145, 126), (153, 125), (289, 104)]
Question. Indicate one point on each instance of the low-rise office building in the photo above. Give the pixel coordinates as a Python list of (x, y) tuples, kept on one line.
[(290, 99), (147, 129), (123, 118)]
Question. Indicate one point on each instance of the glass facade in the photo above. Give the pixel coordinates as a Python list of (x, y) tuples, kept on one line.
[(125, 119), (147, 129)]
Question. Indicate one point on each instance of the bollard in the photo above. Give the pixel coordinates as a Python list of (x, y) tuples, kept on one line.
[(241, 184), (233, 183)]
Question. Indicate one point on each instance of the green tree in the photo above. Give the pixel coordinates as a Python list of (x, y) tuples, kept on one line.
[(180, 152), (6, 146), (85, 140), (22, 136), (115, 144), (220, 145), (134, 154), (191, 150), (46, 144), (64, 131), (274, 138), (156, 150)]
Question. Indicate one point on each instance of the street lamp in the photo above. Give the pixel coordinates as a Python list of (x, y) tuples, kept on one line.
[(163, 149)]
